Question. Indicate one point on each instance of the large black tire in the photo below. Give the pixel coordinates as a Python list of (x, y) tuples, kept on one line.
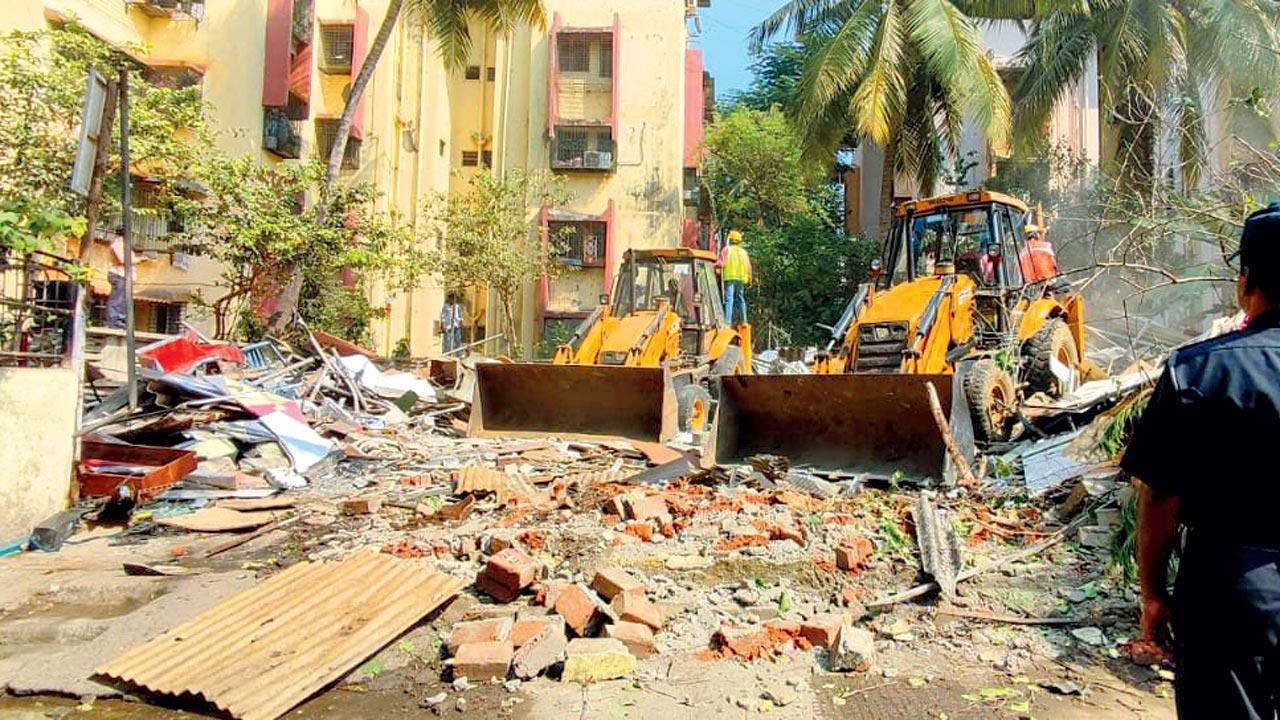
[(1052, 341), (731, 362), (992, 399), (693, 408)]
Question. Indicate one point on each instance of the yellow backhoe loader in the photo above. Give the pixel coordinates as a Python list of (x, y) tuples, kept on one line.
[(949, 305), (638, 367)]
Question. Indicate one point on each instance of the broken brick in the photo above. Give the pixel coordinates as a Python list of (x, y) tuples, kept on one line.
[(478, 631), (821, 630), (540, 651), (637, 637), (526, 627), (494, 589), (366, 505), (545, 593), (458, 510), (611, 581), (647, 508), (635, 607), (578, 609), (512, 569), (853, 553), (483, 660), (639, 530)]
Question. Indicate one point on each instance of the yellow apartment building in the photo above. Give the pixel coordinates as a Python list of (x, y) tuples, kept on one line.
[(608, 95)]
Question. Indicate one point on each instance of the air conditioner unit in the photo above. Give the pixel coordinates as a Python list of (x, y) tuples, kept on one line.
[(597, 159)]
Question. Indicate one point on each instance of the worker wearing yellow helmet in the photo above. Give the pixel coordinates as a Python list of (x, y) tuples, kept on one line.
[(735, 272), (1037, 259)]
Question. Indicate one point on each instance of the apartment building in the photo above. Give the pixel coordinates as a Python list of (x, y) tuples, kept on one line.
[(608, 95)]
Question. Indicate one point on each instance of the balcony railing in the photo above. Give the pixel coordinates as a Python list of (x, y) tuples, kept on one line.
[(173, 9), (280, 135)]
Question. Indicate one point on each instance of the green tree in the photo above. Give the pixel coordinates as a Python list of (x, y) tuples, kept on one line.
[(904, 74), (775, 73), (484, 237), (448, 23), (756, 169), (1157, 60), (249, 219), (43, 76), (761, 181)]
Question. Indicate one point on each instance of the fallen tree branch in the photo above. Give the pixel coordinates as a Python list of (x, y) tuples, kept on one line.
[(957, 457), (1011, 619), (932, 587), (242, 539)]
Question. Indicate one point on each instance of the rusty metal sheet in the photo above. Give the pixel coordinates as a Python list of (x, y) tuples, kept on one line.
[(584, 401), (880, 425), (263, 651)]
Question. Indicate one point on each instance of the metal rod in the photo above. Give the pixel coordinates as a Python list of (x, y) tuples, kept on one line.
[(468, 346), (126, 231)]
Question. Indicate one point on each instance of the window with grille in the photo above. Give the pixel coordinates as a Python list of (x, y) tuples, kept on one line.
[(473, 72), (326, 134), (470, 158), (492, 73), (487, 158), (337, 43), (606, 59), (168, 318), (571, 145), (578, 243), (575, 55), (583, 148)]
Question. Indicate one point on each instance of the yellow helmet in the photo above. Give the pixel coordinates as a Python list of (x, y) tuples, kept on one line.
[(735, 236), (1031, 230)]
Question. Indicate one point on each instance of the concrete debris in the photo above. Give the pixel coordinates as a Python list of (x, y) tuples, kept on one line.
[(941, 555), (853, 650), (590, 660)]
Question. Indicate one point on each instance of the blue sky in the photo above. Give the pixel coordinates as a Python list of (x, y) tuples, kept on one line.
[(725, 27)]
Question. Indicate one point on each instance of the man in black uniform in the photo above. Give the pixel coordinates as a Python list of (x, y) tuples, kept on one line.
[(1205, 457)]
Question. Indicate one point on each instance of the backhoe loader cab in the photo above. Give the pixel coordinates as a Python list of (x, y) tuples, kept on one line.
[(949, 307), (637, 367)]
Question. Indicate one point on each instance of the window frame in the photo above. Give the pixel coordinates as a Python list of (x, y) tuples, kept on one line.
[(327, 55)]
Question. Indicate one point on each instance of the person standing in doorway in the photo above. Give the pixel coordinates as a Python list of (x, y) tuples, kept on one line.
[(451, 323), (735, 273)]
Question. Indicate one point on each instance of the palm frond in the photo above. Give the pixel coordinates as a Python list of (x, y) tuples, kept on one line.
[(838, 62), (877, 101), (795, 17), (1056, 54)]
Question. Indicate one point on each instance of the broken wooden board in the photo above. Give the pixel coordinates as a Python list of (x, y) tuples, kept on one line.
[(218, 519)]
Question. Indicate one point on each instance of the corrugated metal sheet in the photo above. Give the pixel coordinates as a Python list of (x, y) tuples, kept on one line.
[(485, 480), (263, 651)]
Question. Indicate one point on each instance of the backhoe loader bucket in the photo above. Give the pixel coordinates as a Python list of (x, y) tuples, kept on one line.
[(530, 399), (877, 425)]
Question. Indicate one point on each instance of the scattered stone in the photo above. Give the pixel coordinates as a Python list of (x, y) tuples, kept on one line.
[(1089, 636), (1062, 687), (483, 660), (540, 652), (646, 508), (596, 659), (637, 637), (461, 704), (435, 700), (512, 685), (780, 696), (461, 683), (688, 562), (854, 650)]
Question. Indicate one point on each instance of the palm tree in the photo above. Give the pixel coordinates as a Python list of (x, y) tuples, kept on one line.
[(903, 74), (1158, 62), (448, 22)]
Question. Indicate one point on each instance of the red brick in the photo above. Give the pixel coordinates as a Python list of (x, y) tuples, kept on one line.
[(638, 638), (495, 589), (525, 628), (789, 627), (465, 633), (540, 651), (611, 581), (821, 630), (545, 593), (512, 569), (639, 530), (637, 608), (577, 608), (366, 505), (647, 508), (483, 660), (853, 553)]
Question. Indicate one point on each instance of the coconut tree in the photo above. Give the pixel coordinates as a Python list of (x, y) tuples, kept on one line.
[(448, 22), (1163, 66), (904, 74)]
